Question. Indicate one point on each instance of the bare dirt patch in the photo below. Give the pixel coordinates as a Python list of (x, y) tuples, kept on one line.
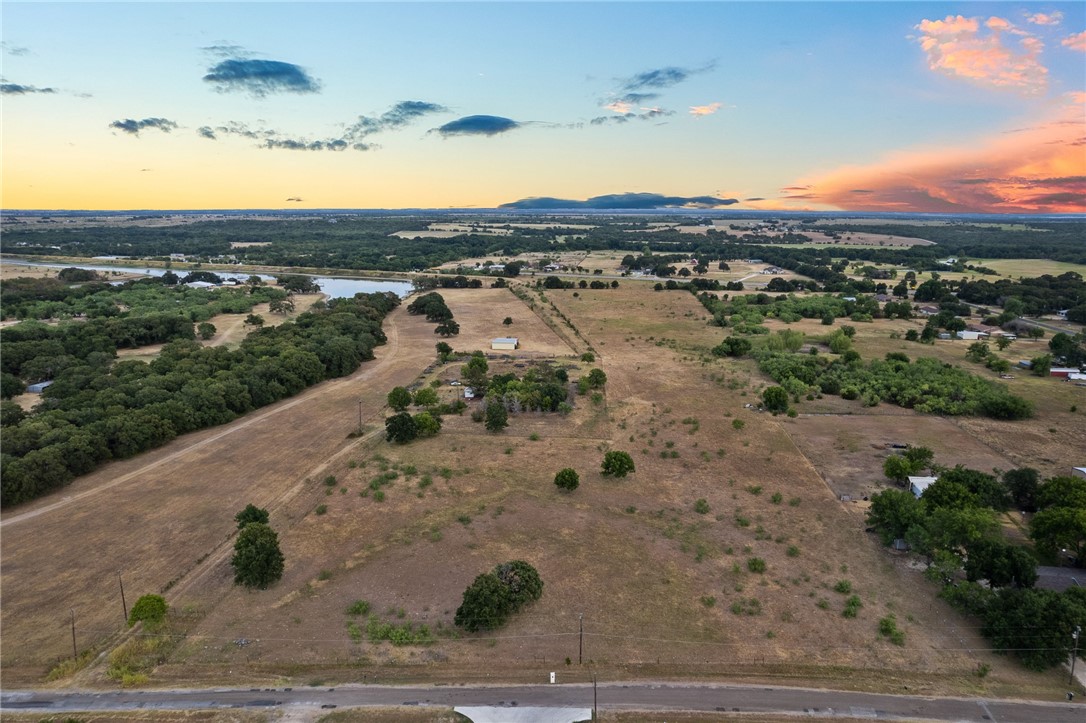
[(480, 313)]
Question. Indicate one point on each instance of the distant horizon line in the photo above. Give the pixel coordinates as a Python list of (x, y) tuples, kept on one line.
[(721, 212)]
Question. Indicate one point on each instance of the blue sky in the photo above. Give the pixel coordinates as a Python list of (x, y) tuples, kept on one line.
[(800, 105)]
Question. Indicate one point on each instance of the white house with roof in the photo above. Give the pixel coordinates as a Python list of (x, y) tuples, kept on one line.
[(917, 485), (505, 343)]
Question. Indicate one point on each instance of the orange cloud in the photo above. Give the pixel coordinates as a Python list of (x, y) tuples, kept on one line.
[(957, 46), (1038, 169), (1075, 42), (619, 106), (698, 110), (1052, 18)]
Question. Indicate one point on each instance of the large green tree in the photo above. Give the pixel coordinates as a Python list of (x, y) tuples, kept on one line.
[(617, 464), (401, 428), (251, 513), (257, 560), (1060, 528), (496, 418), (893, 512), (485, 604), (399, 398)]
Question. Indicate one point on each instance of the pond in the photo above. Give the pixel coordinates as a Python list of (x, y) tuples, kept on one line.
[(336, 287)]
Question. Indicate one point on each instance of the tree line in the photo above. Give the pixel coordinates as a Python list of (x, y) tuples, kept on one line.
[(97, 409)]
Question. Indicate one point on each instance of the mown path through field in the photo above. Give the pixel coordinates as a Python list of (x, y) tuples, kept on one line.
[(156, 518)]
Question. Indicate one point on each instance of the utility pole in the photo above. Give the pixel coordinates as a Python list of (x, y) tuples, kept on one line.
[(360, 417), (1074, 653), (124, 605), (595, 710), (580, 645), (75, 653)]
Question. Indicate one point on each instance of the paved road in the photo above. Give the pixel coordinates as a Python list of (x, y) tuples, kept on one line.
[(611, 696)]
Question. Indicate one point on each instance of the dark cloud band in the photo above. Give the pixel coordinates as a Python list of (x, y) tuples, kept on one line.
[(478, 125), (260, 77), (133, 127), (623, 201), (18, 89)]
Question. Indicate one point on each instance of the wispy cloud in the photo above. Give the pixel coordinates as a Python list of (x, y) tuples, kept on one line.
[(19, 89), (260, 77), (661, 77), (295, 199), (16, 50), (478, 125), (226, 50), (1038, 169), (274, 140), (398, 116), (354, 136), (1075, 42), (634, 96), (620, 201), (133, 127), (700, 110), (995, 54), (1053, 18)]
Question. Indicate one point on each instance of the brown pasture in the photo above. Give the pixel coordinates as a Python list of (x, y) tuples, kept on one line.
[(665, 590)]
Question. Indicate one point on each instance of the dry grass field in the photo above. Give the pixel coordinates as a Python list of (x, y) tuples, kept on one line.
[(663, 564)]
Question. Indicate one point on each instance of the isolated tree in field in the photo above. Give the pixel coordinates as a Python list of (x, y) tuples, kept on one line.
[(495, 595), (485, 604), (617, 464), (1041, 365), (254, 320), (401, 428), (522, 582), (251, 513), (448, 327), (444, 351), (775, 399), (206, 330), (596, 378), (497, 418), (567, 479), (1003, 342), (399, 398), (507, 320), (150, 610), (426, 397), (257, 560)]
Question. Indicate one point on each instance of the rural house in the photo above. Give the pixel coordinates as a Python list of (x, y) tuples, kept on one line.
[(505, 343)]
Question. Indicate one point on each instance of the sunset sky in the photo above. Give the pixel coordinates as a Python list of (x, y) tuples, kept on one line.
[(879, 106)]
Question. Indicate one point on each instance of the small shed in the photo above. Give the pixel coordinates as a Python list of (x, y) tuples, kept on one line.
[(1063, 372), (505, 343), (39, 387), (972, 335), (917, 485)]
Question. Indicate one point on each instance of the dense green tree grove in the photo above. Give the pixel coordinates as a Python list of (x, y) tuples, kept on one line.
[(24, 298), (955, 525), (926, 384), (97, 410)]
